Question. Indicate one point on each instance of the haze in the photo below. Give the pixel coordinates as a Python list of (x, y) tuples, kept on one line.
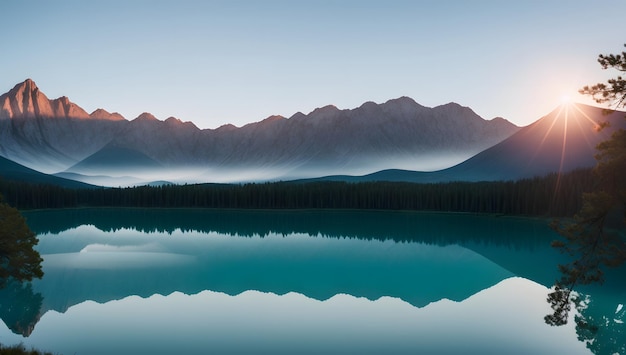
[(218, 62)]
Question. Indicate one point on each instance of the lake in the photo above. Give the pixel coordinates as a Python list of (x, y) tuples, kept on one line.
[(134, 281)]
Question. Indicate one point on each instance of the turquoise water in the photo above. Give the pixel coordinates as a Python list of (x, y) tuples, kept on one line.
[(130, 281)]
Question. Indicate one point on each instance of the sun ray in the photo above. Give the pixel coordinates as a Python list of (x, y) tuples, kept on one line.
[(596, 124), (557, 185), (545, 136), (586, 129)]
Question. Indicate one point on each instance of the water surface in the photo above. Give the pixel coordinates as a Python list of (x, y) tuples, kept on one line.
[(166, 281)]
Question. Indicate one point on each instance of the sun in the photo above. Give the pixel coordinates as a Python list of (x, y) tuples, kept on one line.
[(565, 99)]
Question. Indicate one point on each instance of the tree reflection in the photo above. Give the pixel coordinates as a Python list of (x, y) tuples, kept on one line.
[(20, 307), (600, 325), (599, 318)]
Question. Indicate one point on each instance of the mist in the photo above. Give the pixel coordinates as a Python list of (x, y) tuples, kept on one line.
[(111, 176)]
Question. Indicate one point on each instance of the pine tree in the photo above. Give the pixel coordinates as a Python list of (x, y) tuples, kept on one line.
[(595, 238), (18, 259)]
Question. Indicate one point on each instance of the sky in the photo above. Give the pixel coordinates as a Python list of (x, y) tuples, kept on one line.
[(219, 62)]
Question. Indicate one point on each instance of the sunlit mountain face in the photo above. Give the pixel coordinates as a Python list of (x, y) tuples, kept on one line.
[(562, 141), (57, 136)]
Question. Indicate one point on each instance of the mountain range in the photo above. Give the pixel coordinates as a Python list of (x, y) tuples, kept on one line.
[(398, 140), (562, 141), (58, 136)]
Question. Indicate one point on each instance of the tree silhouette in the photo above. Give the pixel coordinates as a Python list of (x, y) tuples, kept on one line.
[(18, 260), (595, 238), (614, 91), (600, 325), (20, 307)]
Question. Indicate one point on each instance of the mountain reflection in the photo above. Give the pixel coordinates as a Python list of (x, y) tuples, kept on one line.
[(110, 254), (255, 322), (88, 264), (508, 241), (105, 254)]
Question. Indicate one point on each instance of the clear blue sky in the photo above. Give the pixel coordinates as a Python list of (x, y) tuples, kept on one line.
[(217, 62)]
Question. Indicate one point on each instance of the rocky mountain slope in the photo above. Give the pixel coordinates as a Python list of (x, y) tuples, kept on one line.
[(50, 135), (59, 136)]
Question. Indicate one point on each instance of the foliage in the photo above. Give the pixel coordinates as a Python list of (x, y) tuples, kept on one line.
[(614, 91), (18, 260), (20, 350), (595, 238), (20, 307)]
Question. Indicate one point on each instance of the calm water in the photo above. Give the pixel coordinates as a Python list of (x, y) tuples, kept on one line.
[(135, 281)]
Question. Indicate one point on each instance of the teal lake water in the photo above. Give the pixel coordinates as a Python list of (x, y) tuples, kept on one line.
[(133, 281)]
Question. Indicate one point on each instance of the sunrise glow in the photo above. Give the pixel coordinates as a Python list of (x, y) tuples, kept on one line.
[(566, 99)]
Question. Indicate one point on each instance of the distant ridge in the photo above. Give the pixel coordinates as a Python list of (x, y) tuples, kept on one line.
[(562, 141), (113, 157), (12, 171)]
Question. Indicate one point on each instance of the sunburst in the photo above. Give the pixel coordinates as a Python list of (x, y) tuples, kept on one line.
[(579, 117), (566, 99)]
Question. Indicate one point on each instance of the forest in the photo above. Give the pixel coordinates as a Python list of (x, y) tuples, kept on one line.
[(552, 195)]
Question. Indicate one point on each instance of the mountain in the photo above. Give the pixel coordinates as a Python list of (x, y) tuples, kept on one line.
[(56, 136), (399, 133), (102, 114), (50, 135), (112, 157), (26, 101), (564, 140)]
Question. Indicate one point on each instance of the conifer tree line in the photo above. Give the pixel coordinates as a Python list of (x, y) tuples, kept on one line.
[(551, 195)]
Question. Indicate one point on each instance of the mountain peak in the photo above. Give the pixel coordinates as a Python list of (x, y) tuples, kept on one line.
[(273, 118), (403, 105), (500, 120), (102, 114), (327, 110), (368, 104), (226, 127), (25, 100), (22, 101), (28, 84), (456, 109), (146, 116), (403, 100), (178, 123), (451, 105)]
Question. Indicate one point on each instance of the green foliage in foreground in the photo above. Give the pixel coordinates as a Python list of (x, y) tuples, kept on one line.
[(20, 350), (552, 195), (18, 258)]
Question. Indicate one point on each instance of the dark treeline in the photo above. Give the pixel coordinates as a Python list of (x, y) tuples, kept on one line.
[(552, 195)]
